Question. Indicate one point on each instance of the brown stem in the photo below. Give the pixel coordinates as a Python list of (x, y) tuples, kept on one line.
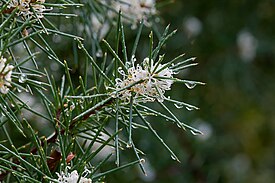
[(53, 138), (8, 11)]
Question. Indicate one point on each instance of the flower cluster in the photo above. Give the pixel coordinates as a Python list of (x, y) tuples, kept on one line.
[(66, 177), (144, 83), (136, 10), (24, 7), (132, 13), (5, 75)]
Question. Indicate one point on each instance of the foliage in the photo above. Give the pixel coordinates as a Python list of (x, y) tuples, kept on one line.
[(72, 100)]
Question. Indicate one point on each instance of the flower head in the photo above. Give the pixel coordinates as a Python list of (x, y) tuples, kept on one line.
[(66, 177), (5, 75), (136, 10), (132, 13), (145, 82), (24, 7)]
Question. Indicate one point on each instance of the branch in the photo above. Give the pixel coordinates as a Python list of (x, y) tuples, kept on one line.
[(53, 138)]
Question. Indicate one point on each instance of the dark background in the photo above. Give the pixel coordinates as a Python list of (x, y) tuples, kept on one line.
[(234, 45)]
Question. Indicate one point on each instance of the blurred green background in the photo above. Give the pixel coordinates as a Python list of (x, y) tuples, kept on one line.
[(234, 45)]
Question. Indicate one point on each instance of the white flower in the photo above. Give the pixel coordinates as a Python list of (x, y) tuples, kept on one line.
[(66, 177), (149, 82), (135, 10), (192, 26), (5, 75), (132, 13), (24, 7), (247, 45)]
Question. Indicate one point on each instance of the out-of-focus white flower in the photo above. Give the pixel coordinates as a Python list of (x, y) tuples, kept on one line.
[(135, 10), (150, 81), (24, 7), (247, 45), (240, 164), (67, 177), (205, 128), (99, 27), (132, 13), (150, 172), (192, 26), (5, 75)]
